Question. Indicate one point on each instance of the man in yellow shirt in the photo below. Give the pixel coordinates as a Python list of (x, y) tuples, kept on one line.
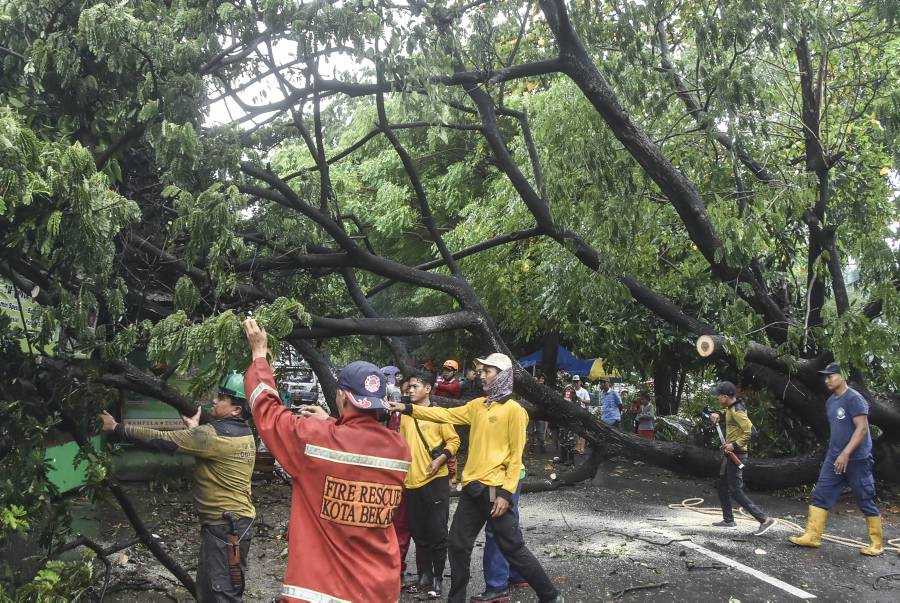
[(427, 486), (224, 451), (497, 426), (738, 430)]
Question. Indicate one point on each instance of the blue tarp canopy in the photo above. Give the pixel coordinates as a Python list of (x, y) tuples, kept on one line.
[(565, 360)]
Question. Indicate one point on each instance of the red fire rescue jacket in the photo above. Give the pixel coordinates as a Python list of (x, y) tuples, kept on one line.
[(347, 482)]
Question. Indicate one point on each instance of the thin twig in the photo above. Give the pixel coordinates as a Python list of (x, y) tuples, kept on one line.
[(620, 593)]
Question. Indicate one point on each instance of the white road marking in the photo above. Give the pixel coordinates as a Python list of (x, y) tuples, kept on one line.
[(749, 570)]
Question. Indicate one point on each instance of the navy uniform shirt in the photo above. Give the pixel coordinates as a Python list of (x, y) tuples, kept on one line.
[(840, 411)]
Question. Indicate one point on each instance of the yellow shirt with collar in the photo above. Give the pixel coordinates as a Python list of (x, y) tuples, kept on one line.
[(434, 434), (497, 434), (738, 427)]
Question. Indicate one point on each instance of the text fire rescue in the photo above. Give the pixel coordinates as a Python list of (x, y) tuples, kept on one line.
[(364, 504)]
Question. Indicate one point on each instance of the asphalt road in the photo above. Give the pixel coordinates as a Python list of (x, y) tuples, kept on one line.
[(596, 540)]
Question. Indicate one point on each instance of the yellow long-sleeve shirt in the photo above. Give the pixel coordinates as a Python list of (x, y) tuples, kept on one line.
[(225, 453), (738, 427), (434, 434), (496, 439)]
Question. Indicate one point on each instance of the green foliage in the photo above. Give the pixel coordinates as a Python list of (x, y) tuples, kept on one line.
[(13, 518), (186, 295), (107, 136), (208, 349), (58, 582)]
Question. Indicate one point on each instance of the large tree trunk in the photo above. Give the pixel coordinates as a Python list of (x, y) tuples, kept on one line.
[(692, 460), (665, 384), (800, 385), (548, 359)]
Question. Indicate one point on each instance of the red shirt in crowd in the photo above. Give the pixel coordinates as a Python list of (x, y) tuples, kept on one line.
[(447, 388), (347, 483)]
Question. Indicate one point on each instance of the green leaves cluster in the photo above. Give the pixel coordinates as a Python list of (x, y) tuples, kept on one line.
[(208, 349)]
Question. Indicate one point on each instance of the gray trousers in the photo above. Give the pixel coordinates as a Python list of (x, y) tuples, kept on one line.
[(731, 487), (213, 581)]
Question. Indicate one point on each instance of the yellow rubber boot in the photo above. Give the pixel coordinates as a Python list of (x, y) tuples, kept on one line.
[(876, 537), (815, 526)]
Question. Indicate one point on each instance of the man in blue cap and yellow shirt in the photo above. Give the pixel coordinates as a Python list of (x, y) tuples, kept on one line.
[(848, 462)]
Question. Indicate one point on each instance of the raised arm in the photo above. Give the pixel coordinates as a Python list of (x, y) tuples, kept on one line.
[(282, 431)]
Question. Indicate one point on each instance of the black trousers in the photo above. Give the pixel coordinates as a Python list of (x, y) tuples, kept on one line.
[(213, 581), (472, 512), (731, 487), (427, 510)]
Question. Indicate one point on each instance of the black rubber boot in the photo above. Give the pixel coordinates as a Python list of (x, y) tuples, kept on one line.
[(491, 595)]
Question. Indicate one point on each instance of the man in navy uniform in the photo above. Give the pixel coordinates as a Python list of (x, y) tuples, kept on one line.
[(847, 463)]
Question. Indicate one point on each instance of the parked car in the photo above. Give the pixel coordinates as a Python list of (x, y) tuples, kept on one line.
[(301, 384)]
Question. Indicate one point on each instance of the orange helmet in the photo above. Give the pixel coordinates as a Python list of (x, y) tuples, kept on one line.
[(451, 364)]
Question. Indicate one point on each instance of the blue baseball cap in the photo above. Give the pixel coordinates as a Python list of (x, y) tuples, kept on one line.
[(832, 369), (365, 384), (725, 388)]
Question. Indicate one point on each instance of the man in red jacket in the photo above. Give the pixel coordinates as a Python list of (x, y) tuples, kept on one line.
[(348, 480), (447, 384)]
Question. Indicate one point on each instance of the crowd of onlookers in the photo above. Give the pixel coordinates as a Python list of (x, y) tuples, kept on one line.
[(604, 400)]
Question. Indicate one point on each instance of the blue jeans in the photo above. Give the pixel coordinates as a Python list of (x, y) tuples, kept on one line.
[(858, 476), (497, 573)]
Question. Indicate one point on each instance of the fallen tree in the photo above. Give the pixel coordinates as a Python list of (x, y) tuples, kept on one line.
[(489, 172)]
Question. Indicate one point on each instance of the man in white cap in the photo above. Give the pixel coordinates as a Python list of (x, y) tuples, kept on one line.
[(497, 437), (584, 398), (582, 394)]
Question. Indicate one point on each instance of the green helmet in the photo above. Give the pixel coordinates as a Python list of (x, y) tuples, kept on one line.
[(232, 385)]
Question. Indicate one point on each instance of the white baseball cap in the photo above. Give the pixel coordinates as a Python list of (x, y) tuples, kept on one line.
[(576, 378), (496, 360)]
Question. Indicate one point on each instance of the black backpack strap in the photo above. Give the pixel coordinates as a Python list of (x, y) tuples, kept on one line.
[(422, 437)]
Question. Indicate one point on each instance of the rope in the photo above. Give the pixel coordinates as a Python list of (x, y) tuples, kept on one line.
[(693, 504)]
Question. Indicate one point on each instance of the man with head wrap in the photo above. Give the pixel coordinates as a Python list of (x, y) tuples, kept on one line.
[(497, 436), (392, 382)]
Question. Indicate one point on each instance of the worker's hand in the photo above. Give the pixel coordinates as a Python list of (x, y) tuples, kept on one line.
[(436, 464), (194, 421), (714, 418), (840, 463), (108, 422), (394, 406), (501, 506), (313, 411), (257, 338), (728, 447)]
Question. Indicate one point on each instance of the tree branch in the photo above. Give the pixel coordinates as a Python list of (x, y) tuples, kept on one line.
[(472, 250), (339, 327), (700, 116)]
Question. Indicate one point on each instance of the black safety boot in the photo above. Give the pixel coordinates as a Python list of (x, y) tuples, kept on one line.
[(490, 595)]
